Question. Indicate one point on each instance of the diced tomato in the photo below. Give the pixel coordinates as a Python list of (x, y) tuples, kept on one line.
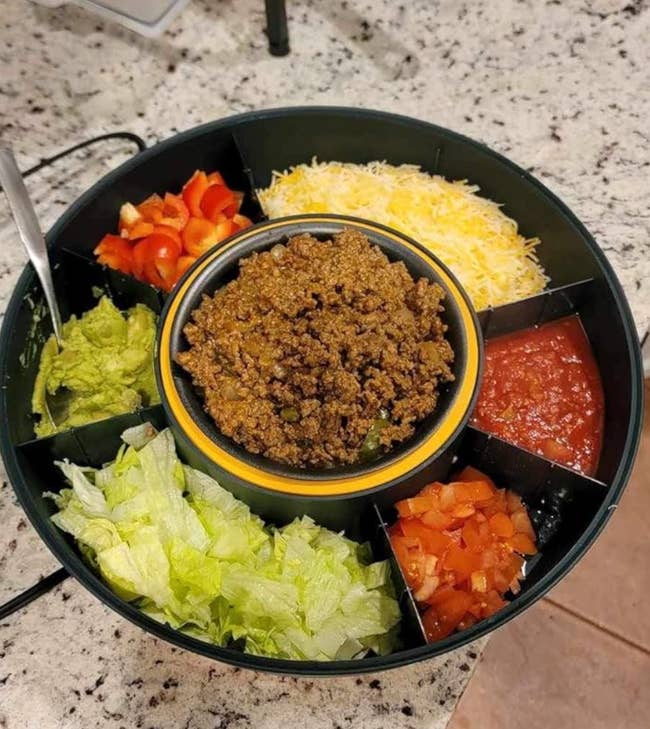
[(493, 603), (193, 193), (514, 502), (441, 594), (431, 489), (433, 628), (447, 497), (501, 525), (461, 561), (449, 614), (436, 519), (411, 559), (463, 511), (116, 253), (415, 506), (216, 199), (523, 544), (522, 524), (432, 541), (427, 588), (496, 504), (174, 213), (478, 580), (472, 491), (469, 473), (460, 546), (471, 535)]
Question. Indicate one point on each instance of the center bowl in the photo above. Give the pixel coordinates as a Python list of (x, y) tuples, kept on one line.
[(278, 492)]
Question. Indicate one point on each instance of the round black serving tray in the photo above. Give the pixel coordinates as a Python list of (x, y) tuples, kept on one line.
[(568, 509)]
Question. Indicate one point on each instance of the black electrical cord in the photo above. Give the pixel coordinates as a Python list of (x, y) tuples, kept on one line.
[(46, 161), (52, 580), (40, 588)]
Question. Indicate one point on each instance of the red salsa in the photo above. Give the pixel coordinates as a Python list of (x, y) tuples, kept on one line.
[(542, 391)]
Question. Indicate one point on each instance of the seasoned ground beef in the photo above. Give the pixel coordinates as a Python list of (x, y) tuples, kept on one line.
[(319, 352)]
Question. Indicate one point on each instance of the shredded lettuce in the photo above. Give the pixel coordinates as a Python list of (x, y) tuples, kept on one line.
[(189, 554)]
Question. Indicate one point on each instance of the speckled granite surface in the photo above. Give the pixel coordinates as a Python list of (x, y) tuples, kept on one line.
[(562, 88)]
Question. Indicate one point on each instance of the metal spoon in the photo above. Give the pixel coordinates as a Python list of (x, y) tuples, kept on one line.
[(30, 234)]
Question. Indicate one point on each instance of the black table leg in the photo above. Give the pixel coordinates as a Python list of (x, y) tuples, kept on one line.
[(276, 27)]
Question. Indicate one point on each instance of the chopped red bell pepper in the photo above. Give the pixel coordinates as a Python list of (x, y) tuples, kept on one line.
[(215, 200), (199, 236), (149, 249), (115, 252), (193, 193), (175, 212)]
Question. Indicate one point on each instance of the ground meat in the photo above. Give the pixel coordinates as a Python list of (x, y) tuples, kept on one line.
[(316, 344)]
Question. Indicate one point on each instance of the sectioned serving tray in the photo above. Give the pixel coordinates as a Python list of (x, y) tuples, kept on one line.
[(568, 509)]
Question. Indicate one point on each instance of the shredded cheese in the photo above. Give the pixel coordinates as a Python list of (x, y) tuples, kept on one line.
[(469, 233)]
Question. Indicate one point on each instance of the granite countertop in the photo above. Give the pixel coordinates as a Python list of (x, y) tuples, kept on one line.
[(559, 87)]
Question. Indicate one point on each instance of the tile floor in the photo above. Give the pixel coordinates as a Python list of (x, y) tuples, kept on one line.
[(581, 657)]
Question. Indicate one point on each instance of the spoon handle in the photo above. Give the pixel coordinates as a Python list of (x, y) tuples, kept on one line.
[(29, 230)]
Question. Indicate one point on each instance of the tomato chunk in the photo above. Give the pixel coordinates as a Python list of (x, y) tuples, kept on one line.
[(501, 525)]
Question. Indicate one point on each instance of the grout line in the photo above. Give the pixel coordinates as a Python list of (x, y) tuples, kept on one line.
[(598, 626)]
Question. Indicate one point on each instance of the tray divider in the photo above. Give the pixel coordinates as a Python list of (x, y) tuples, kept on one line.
[(413, 633), (76, 443), (123, 289), (534, 310), (551, 491), (256, 206)]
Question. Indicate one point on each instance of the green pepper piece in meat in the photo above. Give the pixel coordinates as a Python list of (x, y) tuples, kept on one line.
[(290, 415), (371, 444)]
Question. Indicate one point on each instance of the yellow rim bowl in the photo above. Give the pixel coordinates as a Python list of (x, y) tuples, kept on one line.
[(251, 470)]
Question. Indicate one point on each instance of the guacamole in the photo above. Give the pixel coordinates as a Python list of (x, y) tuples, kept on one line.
[(105, 362)]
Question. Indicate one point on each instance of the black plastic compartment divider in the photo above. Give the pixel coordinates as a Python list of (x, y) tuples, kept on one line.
[(125, 291), (412, 630), (551, 304), (92, 444), (256, 213), (278, 144), (561, 502)]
